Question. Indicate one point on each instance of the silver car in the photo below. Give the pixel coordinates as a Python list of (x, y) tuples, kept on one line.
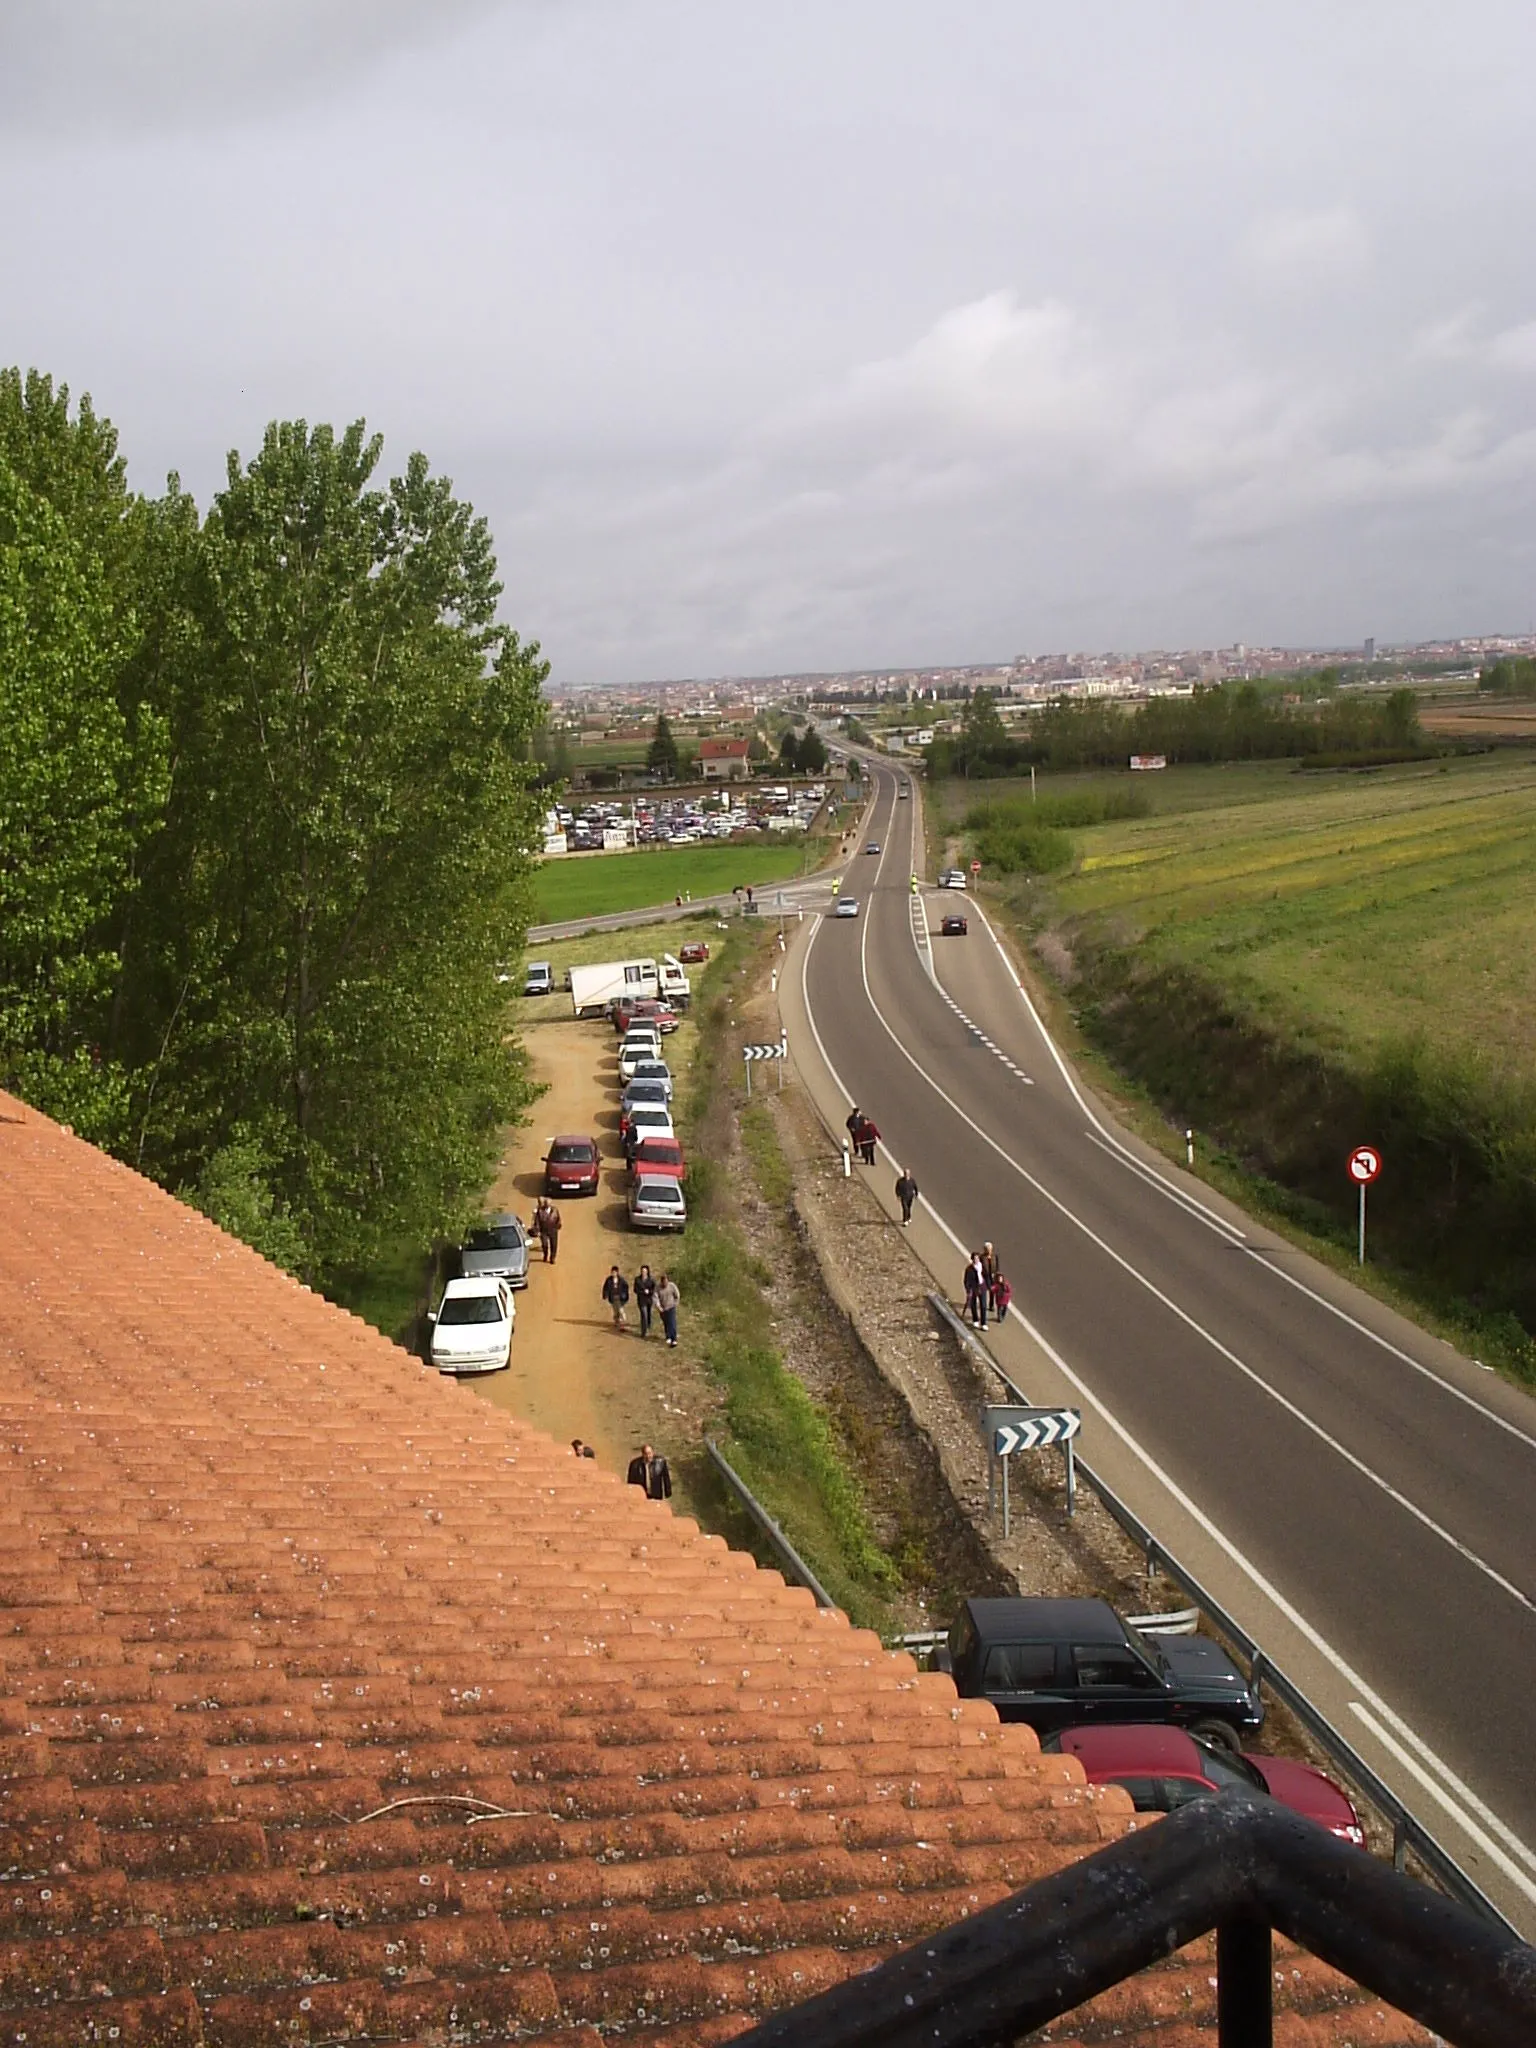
[(656, 1203), (847, 906), (497, 1251)]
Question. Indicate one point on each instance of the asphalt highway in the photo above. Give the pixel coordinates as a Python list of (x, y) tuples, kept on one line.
[(1380, 1488)]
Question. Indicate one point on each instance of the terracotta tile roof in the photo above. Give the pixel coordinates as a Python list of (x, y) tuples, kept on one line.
[(336, 1706), (723, 750)]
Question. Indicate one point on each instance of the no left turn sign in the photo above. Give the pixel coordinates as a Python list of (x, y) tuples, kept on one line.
[(1364, 1165)]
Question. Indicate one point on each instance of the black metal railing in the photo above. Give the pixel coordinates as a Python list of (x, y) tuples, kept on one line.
[(1242, 1866), (1409, 1834)]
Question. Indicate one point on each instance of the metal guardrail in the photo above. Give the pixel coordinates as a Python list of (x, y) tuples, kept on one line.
[(1408, 1832), (793, 1561), (1243, 1866)]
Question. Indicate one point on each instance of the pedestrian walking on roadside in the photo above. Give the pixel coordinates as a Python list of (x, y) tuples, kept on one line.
[(651, 1474), (906, 1194), (868, 1139), (616, 1294), (667, 1300), (976, 1292), (1002, 1294), (645, 1298), (851, 1124), (536, 1228), (551, 1232), (989, 1269)]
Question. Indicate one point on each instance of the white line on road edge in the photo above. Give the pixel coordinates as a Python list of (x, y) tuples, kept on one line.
[(1197, 1515), (1187, 1201), (1462, 1790), (1511, 1870), (1249, 1372)]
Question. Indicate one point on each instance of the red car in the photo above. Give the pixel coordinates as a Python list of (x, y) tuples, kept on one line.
[(572, 1166), (658, 1156), (643, 1010), (694, 954), (1163, 1768)]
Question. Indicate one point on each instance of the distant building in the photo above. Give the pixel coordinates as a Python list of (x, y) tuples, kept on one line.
[(723, 760), (1368, 652)]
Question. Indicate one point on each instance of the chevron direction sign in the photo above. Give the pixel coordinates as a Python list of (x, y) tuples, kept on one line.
[(764, 1052), (1035, 1430)]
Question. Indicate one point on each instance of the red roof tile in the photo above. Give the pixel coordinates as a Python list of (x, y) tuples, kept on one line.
[(332, 1708)]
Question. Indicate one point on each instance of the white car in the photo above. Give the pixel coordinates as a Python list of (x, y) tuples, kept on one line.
[(472, 1326), (952, 878), (847, 906), (656, 1203), (647, 1120), (654, 1070), (635, 1051)]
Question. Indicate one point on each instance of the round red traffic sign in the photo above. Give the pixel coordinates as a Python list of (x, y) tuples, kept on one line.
[(1364, 1164), (975, 867)]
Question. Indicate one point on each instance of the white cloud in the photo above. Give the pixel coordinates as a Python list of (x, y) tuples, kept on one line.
[(1301, 252)]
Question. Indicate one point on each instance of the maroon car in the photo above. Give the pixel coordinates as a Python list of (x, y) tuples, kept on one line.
[(1164, 1768), (572, 1166), (643, 1010)]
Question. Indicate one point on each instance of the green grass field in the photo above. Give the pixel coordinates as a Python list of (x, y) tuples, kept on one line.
[(588, 885), (1353, 908)]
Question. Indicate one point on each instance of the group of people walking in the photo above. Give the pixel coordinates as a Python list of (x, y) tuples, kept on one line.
[(862, 1134), (651, 1297), (987, 1291)]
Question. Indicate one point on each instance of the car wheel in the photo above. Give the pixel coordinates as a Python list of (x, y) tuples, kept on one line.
[(1220, 1732)]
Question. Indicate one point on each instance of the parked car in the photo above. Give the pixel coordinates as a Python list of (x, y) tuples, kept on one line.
[(497, 1251), (642, 1095), (655, 1070), (1061, 1663), (952, 878), (694, 954), (659, 1155), (656, 1202), (472, 1327), (650, 1120), (539, 979), (1164, 1768), (631, 1010), (572, 1166), (847, 906), (637, 1046), (953, 927)]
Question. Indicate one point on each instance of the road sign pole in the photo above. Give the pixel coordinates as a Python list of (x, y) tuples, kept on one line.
[(1007, 1525), (1071, 1479), (749, 1076), (1362, 1223)]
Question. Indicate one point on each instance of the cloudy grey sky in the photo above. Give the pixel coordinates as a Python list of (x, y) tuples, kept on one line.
[(827, 332)]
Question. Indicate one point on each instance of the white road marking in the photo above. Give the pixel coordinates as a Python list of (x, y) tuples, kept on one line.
[(1352, 1678), (1187, 1201), (1496, 1856)]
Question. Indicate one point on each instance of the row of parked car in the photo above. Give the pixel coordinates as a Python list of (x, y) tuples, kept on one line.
[(653, 1154), (1167, 1717)]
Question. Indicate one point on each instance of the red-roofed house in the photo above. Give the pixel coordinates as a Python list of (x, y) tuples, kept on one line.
[(336, 1706), (724, 760)]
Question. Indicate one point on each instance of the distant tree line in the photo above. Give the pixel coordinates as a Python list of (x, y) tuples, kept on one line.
[(266, 821), (802, 753), (1226, 722), (1514, 675)]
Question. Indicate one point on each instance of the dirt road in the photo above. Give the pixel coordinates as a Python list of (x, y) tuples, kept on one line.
[(571, 1374)]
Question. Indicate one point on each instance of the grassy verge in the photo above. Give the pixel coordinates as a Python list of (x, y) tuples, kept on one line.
[(1293, 967), (775, 1435), (597, 884)]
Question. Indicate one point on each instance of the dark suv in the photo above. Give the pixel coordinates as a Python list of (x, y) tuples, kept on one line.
[(1065, 1663)]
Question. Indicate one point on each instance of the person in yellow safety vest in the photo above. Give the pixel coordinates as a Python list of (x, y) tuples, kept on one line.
[(914, 885)]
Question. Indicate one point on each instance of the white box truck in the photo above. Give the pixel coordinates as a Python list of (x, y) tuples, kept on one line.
[(594, 988)]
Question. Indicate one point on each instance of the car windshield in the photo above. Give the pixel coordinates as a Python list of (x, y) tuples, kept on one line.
[(1224, 1767), (666, 1193), (660, 1152), (470, 1308), (505, 1237), (577, 1153)]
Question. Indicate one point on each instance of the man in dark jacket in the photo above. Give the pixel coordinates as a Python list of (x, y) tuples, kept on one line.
[(616, 1293), (906, 1194), (651, 1474)]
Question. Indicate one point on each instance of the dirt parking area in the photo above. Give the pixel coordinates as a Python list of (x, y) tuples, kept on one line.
[(572, 1374)]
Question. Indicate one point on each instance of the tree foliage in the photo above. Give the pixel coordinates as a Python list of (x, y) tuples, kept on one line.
[(1513, 675), (266, 814), (661, 756)]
